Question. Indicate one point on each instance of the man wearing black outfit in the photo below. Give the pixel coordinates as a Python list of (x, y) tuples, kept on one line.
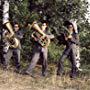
[(15, 51), (39, 52), (70, 51)]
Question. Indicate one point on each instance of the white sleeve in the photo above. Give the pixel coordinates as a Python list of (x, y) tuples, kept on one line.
[(5, 12)]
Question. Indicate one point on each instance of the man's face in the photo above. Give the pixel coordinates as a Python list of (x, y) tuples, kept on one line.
[(44, 26), (16, 27), (70, 28)]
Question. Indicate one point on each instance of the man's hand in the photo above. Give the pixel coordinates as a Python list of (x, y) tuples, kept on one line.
[(50, 36), (70, 36)]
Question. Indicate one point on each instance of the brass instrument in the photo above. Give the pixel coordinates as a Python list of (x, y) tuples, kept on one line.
[(13, 42), (9, 36), (35, 26), (42, 40), (39, 35)]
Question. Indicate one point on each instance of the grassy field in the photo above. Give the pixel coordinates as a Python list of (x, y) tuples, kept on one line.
[(9, 80)]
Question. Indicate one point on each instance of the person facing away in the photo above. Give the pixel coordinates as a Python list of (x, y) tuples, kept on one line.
[(70, 52)]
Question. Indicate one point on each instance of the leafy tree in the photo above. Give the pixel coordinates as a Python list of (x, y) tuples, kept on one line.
[(55, 12)]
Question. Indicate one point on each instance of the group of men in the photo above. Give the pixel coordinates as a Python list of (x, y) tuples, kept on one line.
[(12, 35)]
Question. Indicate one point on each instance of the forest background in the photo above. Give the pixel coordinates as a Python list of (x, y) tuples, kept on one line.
[(56, 12)]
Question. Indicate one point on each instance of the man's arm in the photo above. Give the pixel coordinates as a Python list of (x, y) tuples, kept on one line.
[(50, 36), (74, 39)]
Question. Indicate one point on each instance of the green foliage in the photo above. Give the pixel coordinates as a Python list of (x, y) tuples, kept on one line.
[(54, 52), (56, 12)]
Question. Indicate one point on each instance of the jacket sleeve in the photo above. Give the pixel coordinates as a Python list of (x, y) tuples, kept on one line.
[(75, 39)]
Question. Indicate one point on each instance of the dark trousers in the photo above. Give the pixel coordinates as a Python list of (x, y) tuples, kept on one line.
[(68, 52), (15, 53), (39, 53)]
